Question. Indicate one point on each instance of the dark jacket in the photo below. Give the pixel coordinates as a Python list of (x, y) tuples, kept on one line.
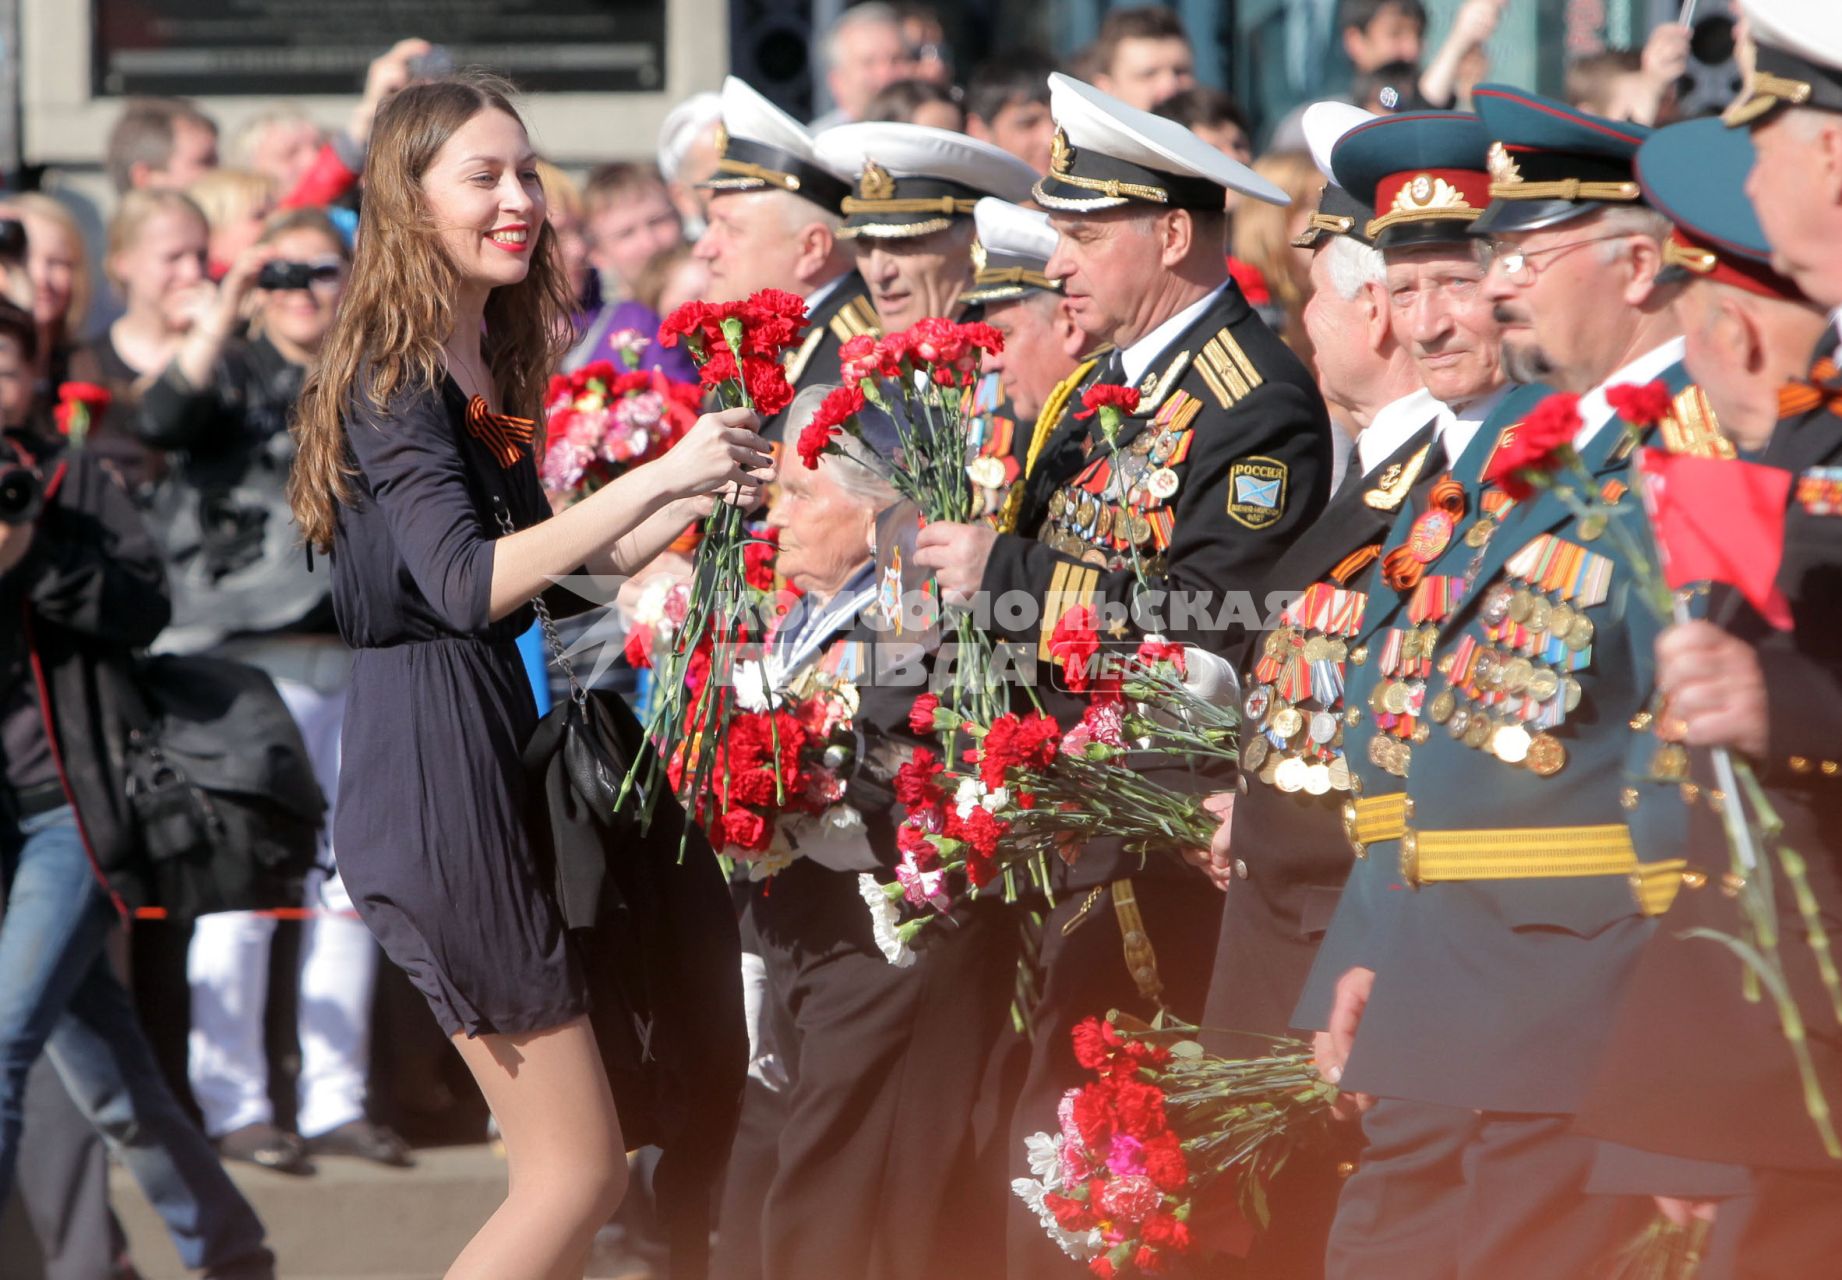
[(1233, 417), (841, 315), (232, 547), (89, 591), (1291, 855), (1691, 1067)]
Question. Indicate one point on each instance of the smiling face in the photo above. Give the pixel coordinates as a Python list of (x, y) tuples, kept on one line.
[(913, 277), (486, 200), (301, 317), (161, 265), (1440, 314)]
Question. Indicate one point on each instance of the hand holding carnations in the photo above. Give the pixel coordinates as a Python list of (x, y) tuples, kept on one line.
[(722, 456)]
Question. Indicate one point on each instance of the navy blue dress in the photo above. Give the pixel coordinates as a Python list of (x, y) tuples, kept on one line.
[(428, 822)]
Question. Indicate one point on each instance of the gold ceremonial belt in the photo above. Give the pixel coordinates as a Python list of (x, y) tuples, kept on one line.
[(1539, 853), (1369, 819)]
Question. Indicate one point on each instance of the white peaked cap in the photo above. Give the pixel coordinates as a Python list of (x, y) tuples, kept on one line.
[(1151, 155), (1324, 124), (917, 151), (1012, 234)]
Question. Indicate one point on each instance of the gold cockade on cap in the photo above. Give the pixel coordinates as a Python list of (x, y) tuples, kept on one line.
[(875, 183)]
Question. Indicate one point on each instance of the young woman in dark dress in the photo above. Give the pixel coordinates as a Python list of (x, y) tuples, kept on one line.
[(409, 455)]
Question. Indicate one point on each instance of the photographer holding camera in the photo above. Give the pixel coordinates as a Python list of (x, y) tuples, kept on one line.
[(81, 586), (242, 589)]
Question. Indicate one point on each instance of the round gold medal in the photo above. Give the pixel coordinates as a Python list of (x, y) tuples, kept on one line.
[(1546, 756), (1287, 722), (1289, 777), (1543, 684), (1253, 753), (1443, 706)]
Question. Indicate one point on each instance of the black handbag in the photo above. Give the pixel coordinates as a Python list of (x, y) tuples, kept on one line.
[(219, 785), (653, 924)]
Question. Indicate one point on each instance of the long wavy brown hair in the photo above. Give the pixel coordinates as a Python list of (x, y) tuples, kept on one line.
[(398, 309)]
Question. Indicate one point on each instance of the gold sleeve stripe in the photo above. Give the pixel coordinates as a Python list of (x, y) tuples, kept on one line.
[(1071, 586), (1215, 356), (855, 317)]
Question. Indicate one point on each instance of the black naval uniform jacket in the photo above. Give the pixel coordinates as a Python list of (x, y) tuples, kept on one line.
[(1234, 423), (841, 315), (1691, 1068), (1291, 853)]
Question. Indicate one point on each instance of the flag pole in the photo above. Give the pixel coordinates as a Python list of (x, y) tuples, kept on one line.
[(1732, 811)]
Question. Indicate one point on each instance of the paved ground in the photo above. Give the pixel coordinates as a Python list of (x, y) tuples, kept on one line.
[(351, 1219)]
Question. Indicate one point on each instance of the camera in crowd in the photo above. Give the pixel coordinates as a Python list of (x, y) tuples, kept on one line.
[(21, 495), (280, 276), (12, 242)]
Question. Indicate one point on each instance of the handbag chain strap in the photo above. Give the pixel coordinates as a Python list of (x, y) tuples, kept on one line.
[(552, 642)]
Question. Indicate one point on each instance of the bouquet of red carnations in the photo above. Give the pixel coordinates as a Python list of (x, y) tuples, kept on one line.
[(737, 348), (1036, 789), (781, 764), (1144, 1152), (602, 420)]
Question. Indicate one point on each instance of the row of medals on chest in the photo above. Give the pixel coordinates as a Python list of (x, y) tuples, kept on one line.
[(1138, 479), (1523, 679), (1297, 748)]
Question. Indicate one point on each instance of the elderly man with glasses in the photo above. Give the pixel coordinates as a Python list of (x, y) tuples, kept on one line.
[(1523, 839)]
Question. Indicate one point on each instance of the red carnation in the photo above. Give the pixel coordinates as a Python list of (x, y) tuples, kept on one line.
[(915, 783), (746, 829), (1140, 1108), (864, 357), (833, 412), (1107, 395), (638, 647), (1101, 1265), (915, 845), (1073, 644), (1149, 1261), (758, 560), (685, 322), (1090, 1045), (1641, 406), (771, 320), (1165, 1163), (1537, 444), (1070, 1214), (1152, 652), (1093, 1116), (921, 715)]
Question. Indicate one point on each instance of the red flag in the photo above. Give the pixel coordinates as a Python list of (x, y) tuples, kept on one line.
[(1720, 520)]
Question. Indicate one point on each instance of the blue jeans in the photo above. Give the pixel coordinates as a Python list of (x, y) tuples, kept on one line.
[(58, 994)]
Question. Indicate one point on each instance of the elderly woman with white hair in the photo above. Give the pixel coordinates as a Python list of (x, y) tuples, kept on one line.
[(878, 1067)]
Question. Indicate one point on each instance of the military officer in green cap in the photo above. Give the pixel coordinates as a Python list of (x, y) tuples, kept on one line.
[(1529, 841), (1699, 1089), (1424, 383)]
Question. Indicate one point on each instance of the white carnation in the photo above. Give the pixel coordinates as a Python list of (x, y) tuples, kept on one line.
[(884, 917)]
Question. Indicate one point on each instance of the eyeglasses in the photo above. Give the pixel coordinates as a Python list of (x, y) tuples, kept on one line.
[(1514, 260)]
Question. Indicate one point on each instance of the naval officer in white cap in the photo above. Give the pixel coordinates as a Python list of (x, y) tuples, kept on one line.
[(910, 215), (1793, 105), (1041, 341), (775, 210), (1226, 459)]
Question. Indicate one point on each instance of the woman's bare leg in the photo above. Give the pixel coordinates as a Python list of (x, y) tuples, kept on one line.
[(568, 1167)]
